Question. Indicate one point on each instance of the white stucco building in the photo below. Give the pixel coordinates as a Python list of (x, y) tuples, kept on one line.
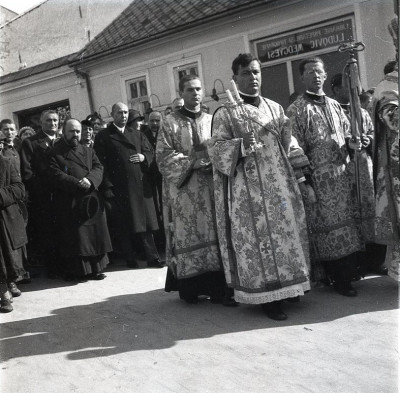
[(140, 56)]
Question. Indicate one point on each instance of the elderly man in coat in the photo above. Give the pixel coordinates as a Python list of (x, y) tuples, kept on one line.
[(75, 173), (126, 155)]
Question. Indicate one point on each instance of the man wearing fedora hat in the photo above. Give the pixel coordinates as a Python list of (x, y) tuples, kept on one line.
[(126, 155), (75, 173)]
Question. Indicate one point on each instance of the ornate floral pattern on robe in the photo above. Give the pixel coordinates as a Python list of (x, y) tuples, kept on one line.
[(366, 208), (387, 178), (321, 130), (188, 196), (260, 215)]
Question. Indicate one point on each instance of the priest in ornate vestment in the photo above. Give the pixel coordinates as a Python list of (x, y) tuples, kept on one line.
[(323, 131), (192, 254), (260, 214)]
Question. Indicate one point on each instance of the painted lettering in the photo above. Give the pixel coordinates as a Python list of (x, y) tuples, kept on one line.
[(285, 51), (327, 41)]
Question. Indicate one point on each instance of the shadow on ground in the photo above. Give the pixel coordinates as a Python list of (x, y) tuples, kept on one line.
[(157, 320), (40, 281)]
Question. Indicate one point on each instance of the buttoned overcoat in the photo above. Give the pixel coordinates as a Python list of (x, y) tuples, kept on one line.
[(132, 193), (12, 226), (81, 224)]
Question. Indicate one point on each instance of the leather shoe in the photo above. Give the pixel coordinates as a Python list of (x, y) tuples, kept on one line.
[(97, 276), (5, 305), (229, 302), (293, 299), (132, 263), (157, 263), (345, 289), (381, 270), (12, 287), (191, 299), (274, 311)]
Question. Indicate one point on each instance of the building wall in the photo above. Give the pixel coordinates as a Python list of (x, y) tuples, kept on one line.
[(220, 42), (43, 89), (215, 45), (374, 17), (54, 29)]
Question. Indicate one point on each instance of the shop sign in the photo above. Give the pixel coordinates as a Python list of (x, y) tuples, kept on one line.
[(305, 41)]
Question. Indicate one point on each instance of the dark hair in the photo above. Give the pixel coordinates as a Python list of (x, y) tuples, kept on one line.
[(365, 97), (64, 126), (186, 78), (243, 59), (389, 67), (336, 81), (308, 60), (6, 121)]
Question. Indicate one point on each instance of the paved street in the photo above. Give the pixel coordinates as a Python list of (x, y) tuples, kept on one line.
[(125, 334)]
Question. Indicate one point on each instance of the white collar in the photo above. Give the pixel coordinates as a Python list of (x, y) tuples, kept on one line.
[(189, 110), (249, 95), (119, 128), (320, 95), (51, 137)]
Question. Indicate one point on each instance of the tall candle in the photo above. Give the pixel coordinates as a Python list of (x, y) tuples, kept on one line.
[(230, 96), (235, 90)]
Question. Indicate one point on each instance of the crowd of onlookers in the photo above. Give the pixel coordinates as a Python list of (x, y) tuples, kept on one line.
[(35, 233)]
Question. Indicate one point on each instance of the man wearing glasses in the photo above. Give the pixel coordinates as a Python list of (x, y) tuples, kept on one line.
[(323, 131)]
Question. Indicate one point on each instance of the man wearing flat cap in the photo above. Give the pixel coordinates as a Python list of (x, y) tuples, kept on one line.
[(126, 155), (75, 173)]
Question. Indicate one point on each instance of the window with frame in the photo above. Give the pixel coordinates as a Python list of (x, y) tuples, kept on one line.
[(137, 94), (182, 70)]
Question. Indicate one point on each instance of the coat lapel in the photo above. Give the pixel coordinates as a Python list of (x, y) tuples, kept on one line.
[(124, 138), (131, 138), (77, 156), (43, 141)]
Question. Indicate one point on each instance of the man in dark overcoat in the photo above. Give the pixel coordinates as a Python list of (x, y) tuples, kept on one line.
[(126, 155), (34, 165), (75, 173), (154, 175), (12, 231)]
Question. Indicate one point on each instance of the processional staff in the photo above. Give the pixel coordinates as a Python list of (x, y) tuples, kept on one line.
[(351, 79)]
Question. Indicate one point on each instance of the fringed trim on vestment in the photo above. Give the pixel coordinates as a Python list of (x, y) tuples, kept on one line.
[(272, 296)]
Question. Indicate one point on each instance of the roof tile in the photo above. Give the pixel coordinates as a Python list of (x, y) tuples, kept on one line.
[(146, 19)]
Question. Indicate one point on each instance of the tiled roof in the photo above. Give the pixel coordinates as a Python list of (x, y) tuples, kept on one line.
[(144, 20), (24, 73)]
